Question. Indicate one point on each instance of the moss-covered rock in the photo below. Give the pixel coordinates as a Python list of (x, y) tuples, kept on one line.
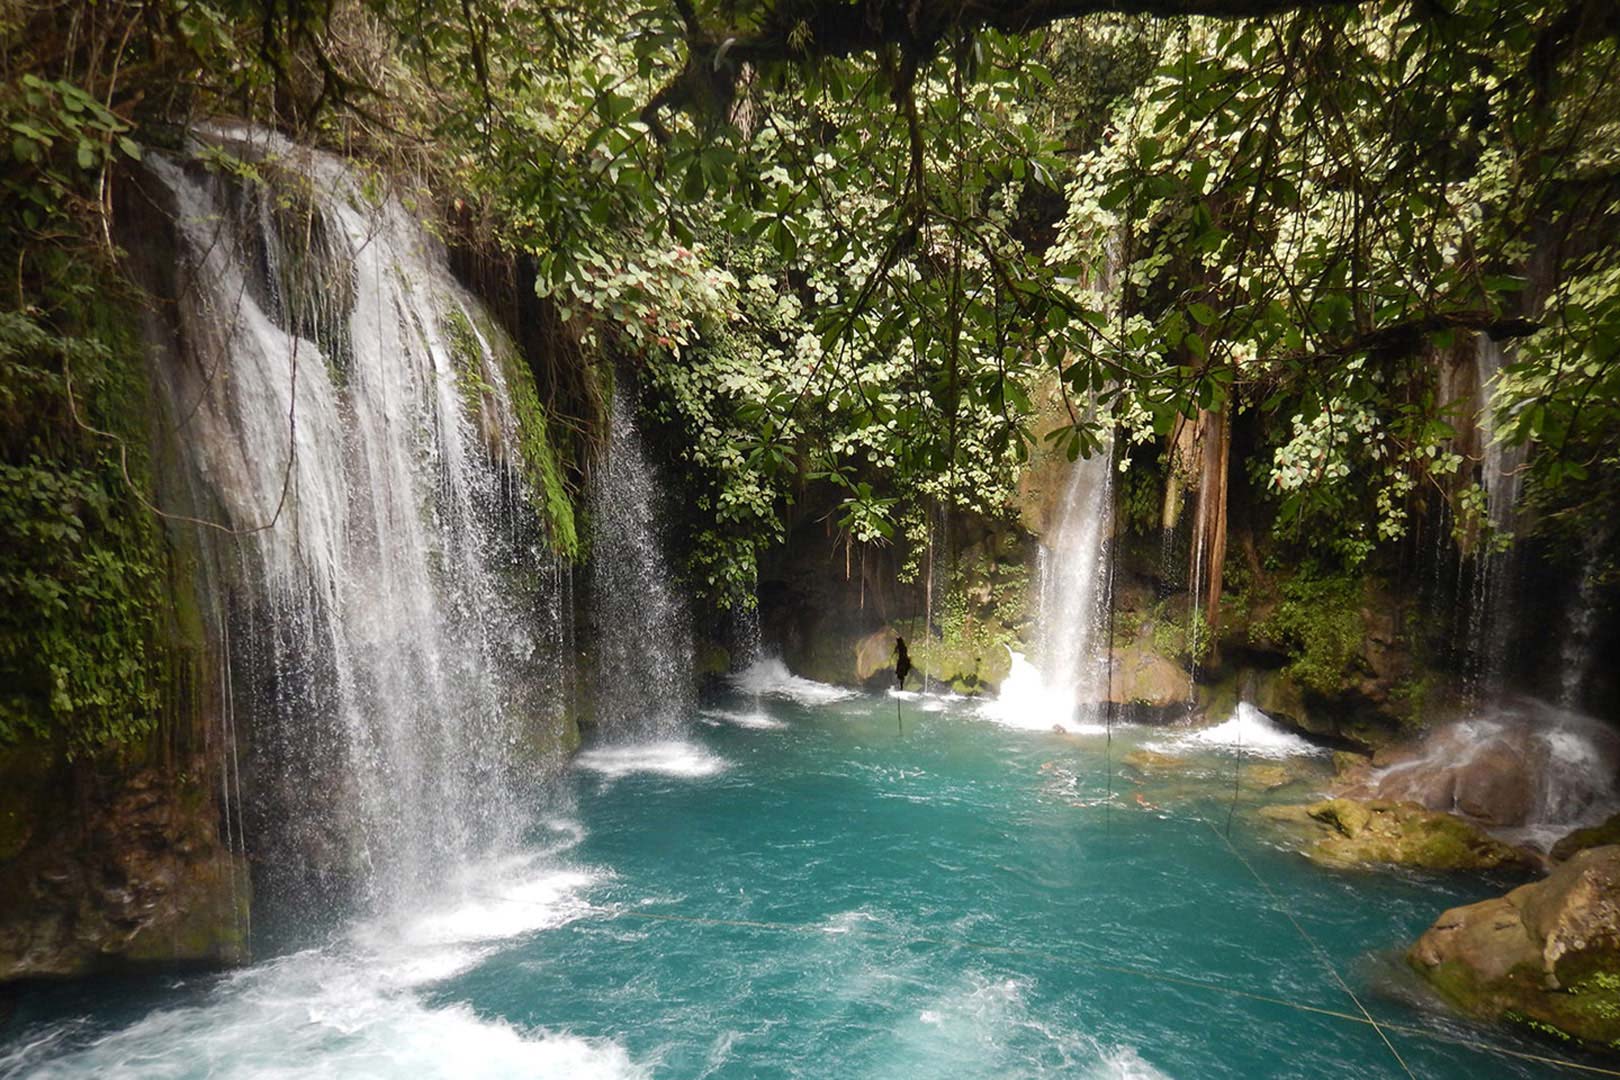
[(1350, 833), (1546, 955), (1593, 836), (1140, 676)]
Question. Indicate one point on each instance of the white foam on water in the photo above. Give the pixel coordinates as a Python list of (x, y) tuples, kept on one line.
[(670, 757), (1247, 730), (754, 721), (484, 905), (505, 910), (320, 1014), (927, 702), (771, 676), (352, 1009), (1028, 702), (987, 1027), (1124, 1063)]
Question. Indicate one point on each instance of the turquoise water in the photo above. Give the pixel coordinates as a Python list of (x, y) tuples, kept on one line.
[(794, 889)]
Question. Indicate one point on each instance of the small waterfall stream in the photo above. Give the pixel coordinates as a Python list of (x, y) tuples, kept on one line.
[(343, 405), (643, 670), (1067, 682)]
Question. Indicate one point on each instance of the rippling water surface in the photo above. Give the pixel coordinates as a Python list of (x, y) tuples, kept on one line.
[(796, 889)]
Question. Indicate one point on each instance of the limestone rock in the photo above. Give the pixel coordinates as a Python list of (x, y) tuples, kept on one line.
[(1546, 954), (1495, 787), (1140, 676), (139, 877), (1351, 833), (1515, 763)]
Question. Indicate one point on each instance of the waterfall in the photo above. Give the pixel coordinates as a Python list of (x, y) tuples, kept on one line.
[(1501, 473), (643, 669), (1067, 682), (342, 406)]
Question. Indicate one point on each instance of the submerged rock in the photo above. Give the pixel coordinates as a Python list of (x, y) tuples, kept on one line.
[(1265, 777), (1153, 761), (1546, 955), (1350, 833)]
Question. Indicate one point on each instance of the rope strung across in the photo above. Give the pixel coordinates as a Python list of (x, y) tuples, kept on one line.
[(1364, 1018), (1321, 954)]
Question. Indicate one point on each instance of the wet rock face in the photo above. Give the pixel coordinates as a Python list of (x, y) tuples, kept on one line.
[(1346, 833), (126, 871), (1546, 954), (1523, 764)]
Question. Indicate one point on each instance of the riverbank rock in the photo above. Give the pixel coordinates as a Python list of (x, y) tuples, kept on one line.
[(1581, 839), (874, 653), (1546, 955), (1350, 833)]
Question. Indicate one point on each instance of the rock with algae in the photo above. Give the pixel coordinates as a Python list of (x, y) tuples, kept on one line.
[(1350, 833), (1546, 955), (1608, 832)]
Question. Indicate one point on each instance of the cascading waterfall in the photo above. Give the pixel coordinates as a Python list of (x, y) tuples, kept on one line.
[(639, 623), (1067, 684), (344, 408)]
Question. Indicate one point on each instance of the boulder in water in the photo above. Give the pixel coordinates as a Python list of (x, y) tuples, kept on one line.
[(1546, 955), (1351, 833)]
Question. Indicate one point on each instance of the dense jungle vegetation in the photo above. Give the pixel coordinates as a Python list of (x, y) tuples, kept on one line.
[(878, 247)]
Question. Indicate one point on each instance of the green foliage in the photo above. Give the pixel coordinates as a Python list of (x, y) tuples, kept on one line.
[(61, 139), (1319, 620), (1186, 640), (80, 560), (858, 264), (1139, 501)]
